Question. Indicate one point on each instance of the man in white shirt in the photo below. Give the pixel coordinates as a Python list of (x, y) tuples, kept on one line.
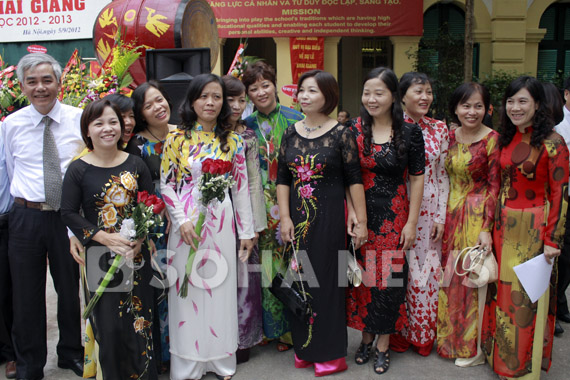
[(562, 313), (40, 142), (6, 316)]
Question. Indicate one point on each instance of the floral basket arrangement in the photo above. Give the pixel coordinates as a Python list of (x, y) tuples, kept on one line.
[(241, 61), (11, 96), (114, 74)]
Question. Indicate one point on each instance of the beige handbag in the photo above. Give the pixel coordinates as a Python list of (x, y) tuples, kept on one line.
[(479, 267), (353, 270)]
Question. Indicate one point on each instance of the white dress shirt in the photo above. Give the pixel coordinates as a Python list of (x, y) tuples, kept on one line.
[(564, 129), (23, 134), (5, 197)]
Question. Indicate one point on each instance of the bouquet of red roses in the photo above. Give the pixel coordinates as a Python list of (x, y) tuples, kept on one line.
[(144, 219), (213, 182)]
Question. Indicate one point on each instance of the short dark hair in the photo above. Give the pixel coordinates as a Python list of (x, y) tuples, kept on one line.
[(410, 78), (94, 110), (124, 103), (328, 86), (234, 86), (138, 97), (463, 93), (346, 112), (256, 71)]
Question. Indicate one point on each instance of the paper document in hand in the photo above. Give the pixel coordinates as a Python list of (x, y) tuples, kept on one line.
[(534, 276)]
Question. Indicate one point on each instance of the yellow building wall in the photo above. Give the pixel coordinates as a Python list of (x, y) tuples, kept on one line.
[(507, 31)]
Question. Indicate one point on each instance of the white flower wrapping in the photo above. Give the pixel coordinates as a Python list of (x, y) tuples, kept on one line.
[(129, 232)]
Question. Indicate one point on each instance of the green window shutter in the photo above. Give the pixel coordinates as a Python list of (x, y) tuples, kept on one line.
[(566, 63), (546, 69), (548, 21), (431, 23), (456, 23), (567, 24)]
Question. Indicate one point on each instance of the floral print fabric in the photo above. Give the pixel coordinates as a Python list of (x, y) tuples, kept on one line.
[(204, 325), (122, 319), (269, 130), (473, 171), (378, 306), (425, 255), (318, 171)]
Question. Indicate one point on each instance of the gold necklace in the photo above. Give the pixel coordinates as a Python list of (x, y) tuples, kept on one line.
[(310, 129)]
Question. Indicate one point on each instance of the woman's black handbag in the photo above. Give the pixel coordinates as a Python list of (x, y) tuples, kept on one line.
[(289, 294)]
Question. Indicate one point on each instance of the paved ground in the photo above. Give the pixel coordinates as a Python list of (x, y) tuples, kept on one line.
[(268, 364)]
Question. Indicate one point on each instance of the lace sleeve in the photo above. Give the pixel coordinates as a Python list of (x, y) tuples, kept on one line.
[(350, 160), (284, 176), (416, 152)]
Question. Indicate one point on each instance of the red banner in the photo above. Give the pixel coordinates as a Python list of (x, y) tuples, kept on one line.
[(307, 53), (320, 18)]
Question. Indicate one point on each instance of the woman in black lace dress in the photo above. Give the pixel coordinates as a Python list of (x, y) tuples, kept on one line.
[(391, 151), (318, 162)]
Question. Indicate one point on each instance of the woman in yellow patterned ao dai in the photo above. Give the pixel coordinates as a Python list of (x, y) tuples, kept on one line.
[(204, 325)]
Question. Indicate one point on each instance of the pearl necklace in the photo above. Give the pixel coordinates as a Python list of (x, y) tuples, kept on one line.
[(310, 129)]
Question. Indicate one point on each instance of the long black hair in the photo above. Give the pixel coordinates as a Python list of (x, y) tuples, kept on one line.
[(189, 116), (542, 122), (391, 81)]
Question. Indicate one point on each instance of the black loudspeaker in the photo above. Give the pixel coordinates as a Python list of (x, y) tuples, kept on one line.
[(174, 70)]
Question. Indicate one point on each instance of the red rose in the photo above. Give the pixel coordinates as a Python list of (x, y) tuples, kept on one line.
[(228, 166), (142, 196), (158, 206), (149, 200), (206, 165)]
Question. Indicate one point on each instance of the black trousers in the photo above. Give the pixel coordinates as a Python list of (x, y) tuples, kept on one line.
[(6, 349), (36, 239), (563, 273)]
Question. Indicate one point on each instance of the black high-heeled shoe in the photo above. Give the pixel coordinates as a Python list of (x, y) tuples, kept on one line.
[(363, 353), (382, 362)]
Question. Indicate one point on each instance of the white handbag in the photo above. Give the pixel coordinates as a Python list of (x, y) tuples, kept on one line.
[(353, 270), (478, 265)]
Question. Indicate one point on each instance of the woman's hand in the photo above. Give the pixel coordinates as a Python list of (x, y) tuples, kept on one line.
[(76, 249), (287, 230), (550, 253), (485, 241), (256, 239), (437, 231), (118, 244), (152, 247), (408, 236), (245, 248), (351, 222), (188, 234), (360, 235)]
